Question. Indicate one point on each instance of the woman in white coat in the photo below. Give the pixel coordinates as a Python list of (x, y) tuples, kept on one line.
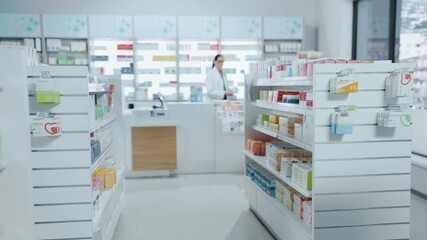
[(216, 81)]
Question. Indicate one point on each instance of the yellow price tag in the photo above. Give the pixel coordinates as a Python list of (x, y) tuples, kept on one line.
[(351, 108)]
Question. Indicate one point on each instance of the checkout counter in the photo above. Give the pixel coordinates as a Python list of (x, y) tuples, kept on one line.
[(184, 138)]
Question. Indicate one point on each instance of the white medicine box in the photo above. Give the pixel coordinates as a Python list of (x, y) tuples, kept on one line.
[(398, 85)]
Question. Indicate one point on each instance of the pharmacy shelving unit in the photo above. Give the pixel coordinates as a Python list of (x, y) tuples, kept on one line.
[(156, 68), (281, 47), (67, 51), (19, 41), (195, 61), (62, 166), (113, 57), (361, 181)]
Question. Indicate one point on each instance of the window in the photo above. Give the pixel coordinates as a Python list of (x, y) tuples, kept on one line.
[(413, 45)]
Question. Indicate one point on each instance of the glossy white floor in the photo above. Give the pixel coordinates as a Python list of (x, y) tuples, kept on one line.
[(208, 207)]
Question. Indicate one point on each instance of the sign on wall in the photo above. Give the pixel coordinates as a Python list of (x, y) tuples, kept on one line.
[(20, 25), (283, 28), (191, 27), (65, 26), (110, 26), (155, 26), (241, 27)]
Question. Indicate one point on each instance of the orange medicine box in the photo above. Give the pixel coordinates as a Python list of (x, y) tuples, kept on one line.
[(273, 119)]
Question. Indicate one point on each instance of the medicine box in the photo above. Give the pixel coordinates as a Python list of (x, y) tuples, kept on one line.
[(343, 85), (298, 132), (274, 119), (285, 131), (279, 196), (286, 166), (341, 123), (397, 85), (263, 118), (394, 119), (302, 175), (256, 147)]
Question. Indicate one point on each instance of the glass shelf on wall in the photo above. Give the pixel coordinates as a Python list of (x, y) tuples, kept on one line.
[(155, 68), (195, 61)]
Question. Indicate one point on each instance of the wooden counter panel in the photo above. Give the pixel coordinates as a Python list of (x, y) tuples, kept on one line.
[(154, 148)]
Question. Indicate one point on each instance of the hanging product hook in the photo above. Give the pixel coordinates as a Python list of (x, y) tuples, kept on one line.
[(345, 72)]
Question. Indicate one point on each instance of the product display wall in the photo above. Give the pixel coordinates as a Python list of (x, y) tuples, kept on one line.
[(65, 42)]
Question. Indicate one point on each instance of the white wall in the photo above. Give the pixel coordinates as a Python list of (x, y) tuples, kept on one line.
[(335, 27), (304, 8)]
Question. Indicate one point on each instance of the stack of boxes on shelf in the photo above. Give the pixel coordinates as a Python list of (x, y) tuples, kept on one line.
[(290, 126), (263, 178), (100, 140), (302, 66), (291, 163), (284, 47), (103, 178), (275, 151), (100, 105), (256, 147), (299, 205), (302, 207), (302, 98), (65, 49)]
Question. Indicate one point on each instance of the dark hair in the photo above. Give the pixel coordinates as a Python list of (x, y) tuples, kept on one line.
[(216, 58)]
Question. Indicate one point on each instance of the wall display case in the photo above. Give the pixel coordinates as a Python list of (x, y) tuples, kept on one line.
[(281, 47), (239, 55), (195, 61), (35, 43), (67, 51), (114, 57), (156, 69), (64, 41)]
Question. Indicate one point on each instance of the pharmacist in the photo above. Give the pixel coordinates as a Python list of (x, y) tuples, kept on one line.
[(216, 81)]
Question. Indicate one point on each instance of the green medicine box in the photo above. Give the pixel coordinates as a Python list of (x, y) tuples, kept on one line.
[(48, 97), (99, 112)]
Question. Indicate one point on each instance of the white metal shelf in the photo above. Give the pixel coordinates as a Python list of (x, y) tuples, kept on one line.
[(283, 107), (100, 123), (107, 198), (97, 88), (286, 81), (262, 161), (295, 142), (60, 51), (306, 229), (283, 138), (107, 230), (265, 131), (100, 159)]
